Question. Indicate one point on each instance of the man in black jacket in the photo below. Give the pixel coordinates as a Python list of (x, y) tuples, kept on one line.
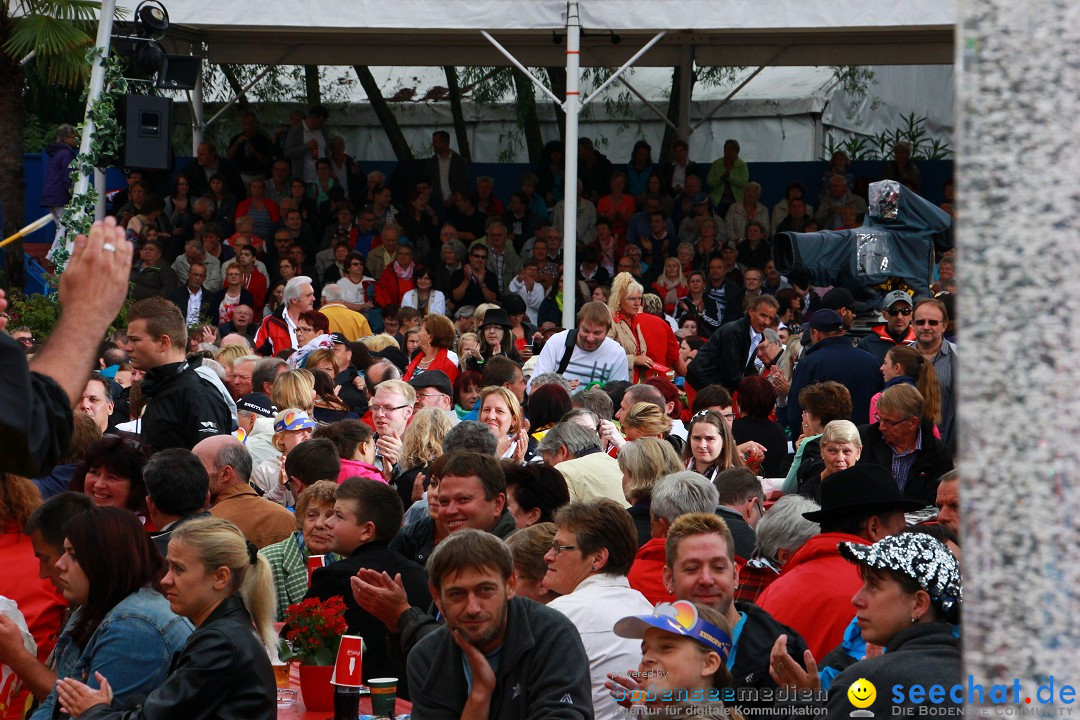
[(182, 406), (904, 441), (729, 354), (497, 656), (701, 568), (831, 357), (367, 514)]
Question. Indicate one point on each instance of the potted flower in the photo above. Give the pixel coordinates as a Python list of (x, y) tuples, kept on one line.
[(313, 630)]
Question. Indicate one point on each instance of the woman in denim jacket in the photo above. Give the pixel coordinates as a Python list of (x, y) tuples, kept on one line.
[(122, 626)]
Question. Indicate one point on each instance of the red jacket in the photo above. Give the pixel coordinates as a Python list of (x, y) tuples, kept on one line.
[(660, 342), (390, 288), (813, 593), (441, 362), (273, 335), (40, 603), (647, 572), (256, 285)]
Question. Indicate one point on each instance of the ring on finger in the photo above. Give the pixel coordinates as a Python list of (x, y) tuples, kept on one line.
[(108, 247)]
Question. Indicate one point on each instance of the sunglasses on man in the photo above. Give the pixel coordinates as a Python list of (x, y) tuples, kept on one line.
[(905, 311)]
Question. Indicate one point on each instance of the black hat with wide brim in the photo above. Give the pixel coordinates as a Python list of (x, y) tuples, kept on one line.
[(496, 316), (860, 490)]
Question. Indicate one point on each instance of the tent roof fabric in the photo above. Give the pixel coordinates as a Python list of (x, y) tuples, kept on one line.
[(415, 32)]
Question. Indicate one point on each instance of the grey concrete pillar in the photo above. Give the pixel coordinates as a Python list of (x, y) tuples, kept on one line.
[(1019, 383)]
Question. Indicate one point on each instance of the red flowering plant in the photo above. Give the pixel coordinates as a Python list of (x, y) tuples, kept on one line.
[(313, 631)]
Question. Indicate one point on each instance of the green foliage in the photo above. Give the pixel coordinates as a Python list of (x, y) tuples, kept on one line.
[(104, 147), (36, 134), (856, 80), (58, 32), (37, 312), (880, 146), (40, 313)]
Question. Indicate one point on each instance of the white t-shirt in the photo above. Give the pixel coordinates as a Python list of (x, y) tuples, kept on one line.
[(352, 292), (606, 363)]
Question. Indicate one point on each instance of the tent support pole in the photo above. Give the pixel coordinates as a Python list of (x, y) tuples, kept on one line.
[(570, 171), (738, 87), (649, 104), (686, 88), (236, 98), (625, 66), (93, 93), (195, 99), (506, 53)]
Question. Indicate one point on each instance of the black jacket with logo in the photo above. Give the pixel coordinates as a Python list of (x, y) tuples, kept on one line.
[(182, 407)]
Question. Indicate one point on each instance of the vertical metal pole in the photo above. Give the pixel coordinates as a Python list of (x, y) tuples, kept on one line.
[(197, 125), (686, 87), (570, 194), (97, 86), (99, 186)]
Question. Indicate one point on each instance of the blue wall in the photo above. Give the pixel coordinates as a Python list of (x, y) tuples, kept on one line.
[(34, 165)]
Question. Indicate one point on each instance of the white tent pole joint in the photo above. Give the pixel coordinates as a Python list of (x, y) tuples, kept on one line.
[(625, 66), (544, 88), (738, 87), (570, 170)]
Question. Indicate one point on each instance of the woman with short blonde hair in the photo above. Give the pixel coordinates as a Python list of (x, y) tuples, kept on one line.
[(294, 389), (643, 462)]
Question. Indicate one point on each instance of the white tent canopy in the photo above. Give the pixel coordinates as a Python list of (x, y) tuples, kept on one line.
[(412, 32)]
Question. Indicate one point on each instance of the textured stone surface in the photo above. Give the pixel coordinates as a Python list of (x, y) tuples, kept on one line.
[(1019, 384)]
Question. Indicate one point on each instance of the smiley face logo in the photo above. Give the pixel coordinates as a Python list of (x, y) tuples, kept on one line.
[(862, 693)]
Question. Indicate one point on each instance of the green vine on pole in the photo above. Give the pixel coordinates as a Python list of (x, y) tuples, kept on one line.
[(104, 146)]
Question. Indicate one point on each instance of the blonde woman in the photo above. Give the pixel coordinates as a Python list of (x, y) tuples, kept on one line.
[(672, 284), (294, 389), (648, 340), (643, 420), (501, 411), (218, 581), (230, 354), (378, 343), (643, 462), (421, 445)]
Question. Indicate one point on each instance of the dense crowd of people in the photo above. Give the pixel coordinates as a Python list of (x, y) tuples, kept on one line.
[(717, 483)]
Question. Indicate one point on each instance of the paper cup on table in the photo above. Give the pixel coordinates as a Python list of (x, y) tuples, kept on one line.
[(314, 562), (347, 669), (383, 696)]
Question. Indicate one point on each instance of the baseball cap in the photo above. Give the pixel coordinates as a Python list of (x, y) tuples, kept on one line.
[(679, 618), (339, 339), (898, 296), (293, 419), (699, 199), (257, 403), (826, 319), (918, 556), (434, 379)]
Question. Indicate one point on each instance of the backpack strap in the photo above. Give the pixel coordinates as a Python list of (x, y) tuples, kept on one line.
[(571, 341)]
